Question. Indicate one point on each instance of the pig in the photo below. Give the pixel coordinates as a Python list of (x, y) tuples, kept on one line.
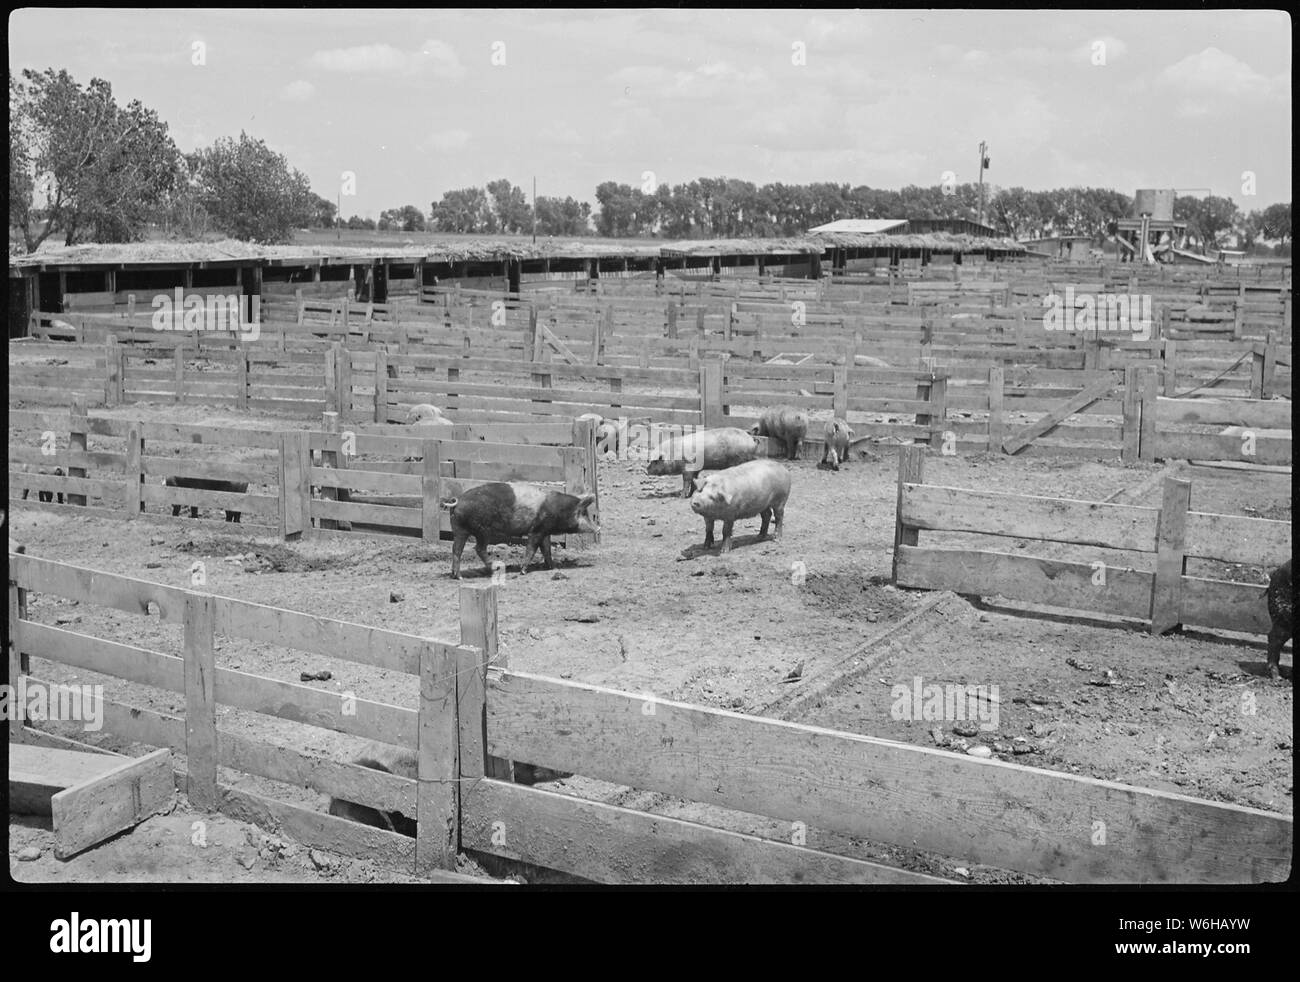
[(703, 450), (784, 423), (403, 763), (509, 512), (426, 414), (207, 484), (759, 487), (837, 437), (47, 496), (1281, 610)]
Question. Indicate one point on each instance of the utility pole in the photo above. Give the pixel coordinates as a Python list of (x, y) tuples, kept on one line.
[(534, 209), (984, 162), (338, 218)]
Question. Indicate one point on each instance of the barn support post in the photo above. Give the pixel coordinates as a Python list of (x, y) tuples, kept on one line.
[(438, 752), (1171, 529), (911, 470)]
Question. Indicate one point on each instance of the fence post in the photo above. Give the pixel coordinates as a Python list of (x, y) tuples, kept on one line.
[(1270, 366), (113, 370), (911, 470), (1130, 431), (343, 381), (1170, 368), (381, 385), (938, 406), (431, 490), (19, 660), (672, 319), (331, 372), (437, 808), (200, 704), (78, 430), (712, 409), (179, 372), (329, 458), (134, 472), (996, 422), (1257, 371), (241, 367), (478, 628), (295, 483), (1147, 437), (1171, 528), (840, 391)]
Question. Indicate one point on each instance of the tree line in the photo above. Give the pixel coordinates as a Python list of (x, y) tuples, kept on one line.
[(84, 168)]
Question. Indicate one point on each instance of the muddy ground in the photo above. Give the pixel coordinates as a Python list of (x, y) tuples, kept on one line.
[(649, 611)]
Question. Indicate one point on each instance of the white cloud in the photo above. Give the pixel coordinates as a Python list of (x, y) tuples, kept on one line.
[(433, 57), (298, 91), (446, 140), (1216, 73), (709, 80)]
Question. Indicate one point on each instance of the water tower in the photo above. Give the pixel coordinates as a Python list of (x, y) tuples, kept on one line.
[(1149, 234)]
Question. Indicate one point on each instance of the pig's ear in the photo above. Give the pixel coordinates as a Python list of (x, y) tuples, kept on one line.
[(850, 429), (586, 501)]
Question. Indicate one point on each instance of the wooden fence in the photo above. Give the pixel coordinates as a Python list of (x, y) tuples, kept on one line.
[(475, 716), (1117, 541), (386, 481)]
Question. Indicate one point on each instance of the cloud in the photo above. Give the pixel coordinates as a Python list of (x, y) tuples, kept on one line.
[(433, 57), (1215, 72), (298, 91), (709, 80), (446, 140), (1112, 46)]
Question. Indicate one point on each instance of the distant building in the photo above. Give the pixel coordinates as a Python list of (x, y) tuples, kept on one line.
[(906, 226)]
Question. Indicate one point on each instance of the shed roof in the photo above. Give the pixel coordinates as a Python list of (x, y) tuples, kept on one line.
[(866, 226)]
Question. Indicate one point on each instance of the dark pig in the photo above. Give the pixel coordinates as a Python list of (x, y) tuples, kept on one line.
[(514, 512), (703, 450), (759, 487), (784, 423), (837, 437), (47, 496), (404, 763), (207, 484), (1281, 610)]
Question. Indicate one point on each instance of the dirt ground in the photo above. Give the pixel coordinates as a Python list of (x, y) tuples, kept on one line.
[(649, 611)]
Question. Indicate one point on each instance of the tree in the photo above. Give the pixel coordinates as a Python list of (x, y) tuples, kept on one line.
[(408, 218), (617, 214), (250, 191), (511, 208), (361, 224), (1206, 217), (1275, 223), (563, 217), (80, 164), (465, 210), (324, 212)]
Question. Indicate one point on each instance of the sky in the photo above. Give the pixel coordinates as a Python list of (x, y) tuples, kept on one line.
[(415, 103)]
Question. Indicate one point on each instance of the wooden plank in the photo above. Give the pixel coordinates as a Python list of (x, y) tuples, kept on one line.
[(112, 802), (622, 846), (1027, 435), (997, 424), (1091, 523), (1237, 539), (37, 774), (1270, 450), (1031, 579), (985, 811), (478, 631), (1224, 605)]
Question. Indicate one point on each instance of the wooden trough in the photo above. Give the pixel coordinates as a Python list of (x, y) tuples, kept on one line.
[(89, 796)]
